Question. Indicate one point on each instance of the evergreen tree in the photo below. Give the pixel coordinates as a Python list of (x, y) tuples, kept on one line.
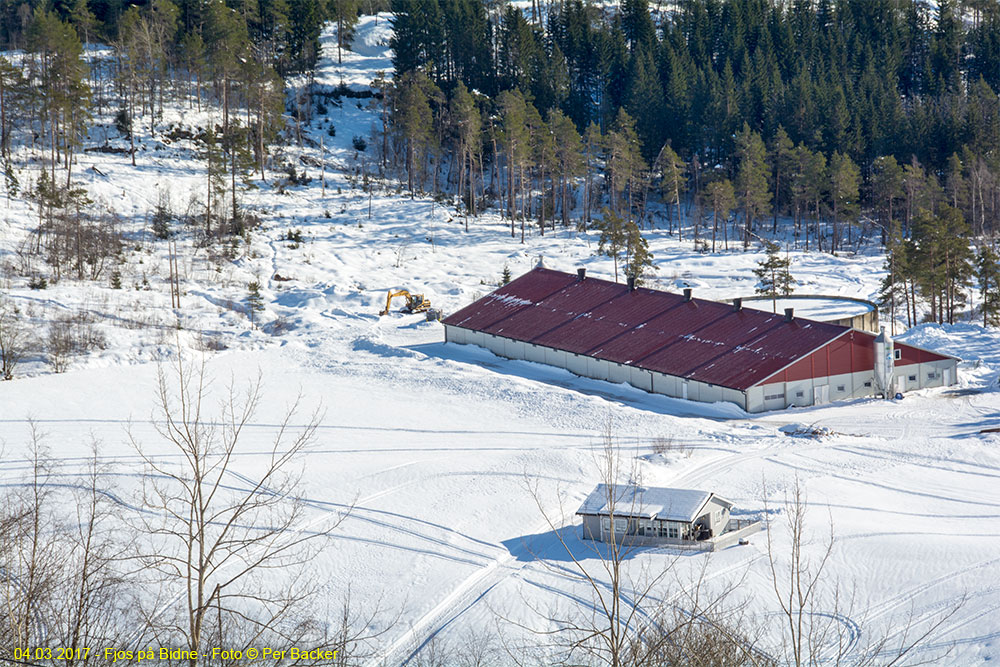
[(723, 200), (887, 189), (844, 180), (751, 179), (671, 170), (569, 159), (516, 141), (774, 275), (988, 275), (344, 14), (255, 302), (413, 120), (892, 292), (467, 125), (783, 164), (638, 259), (614, 237), (624, 165)]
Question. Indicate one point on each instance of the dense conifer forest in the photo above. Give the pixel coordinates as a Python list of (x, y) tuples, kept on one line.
[(828, 125)]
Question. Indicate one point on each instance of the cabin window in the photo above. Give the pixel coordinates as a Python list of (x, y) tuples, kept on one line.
[(897, 354), (913, 378), (606, 525), (672, 531), (620, 525)]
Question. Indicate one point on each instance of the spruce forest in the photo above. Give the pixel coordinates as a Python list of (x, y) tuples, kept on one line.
[(824, 125)]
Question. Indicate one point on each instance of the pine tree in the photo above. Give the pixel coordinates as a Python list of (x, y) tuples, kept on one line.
[(844, 180), (774, 274), (255, 302), (613, 241), (516, 141), (413, 120), (671, 169), (215, 176), (593, 142), (638, 259), (569, 158), (892, 292), (467, 125), (988, 275), (782, 166), (723, 200), (887, 188), (344, 13), (751, 179), (625, 166)]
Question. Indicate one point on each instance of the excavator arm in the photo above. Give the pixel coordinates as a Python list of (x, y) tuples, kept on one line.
[(415, 303)]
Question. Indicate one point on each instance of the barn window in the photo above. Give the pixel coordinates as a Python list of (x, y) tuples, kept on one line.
[(773, 397), (912, 378), (840, 387), (798, 394), (897, 354), (868, 384), (931, 375)]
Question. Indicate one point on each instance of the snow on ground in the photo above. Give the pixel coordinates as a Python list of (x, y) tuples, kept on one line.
[(435, 445)]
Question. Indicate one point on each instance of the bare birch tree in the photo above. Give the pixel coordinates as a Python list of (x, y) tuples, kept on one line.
[(631, 620), (228, 545), (816, 610)]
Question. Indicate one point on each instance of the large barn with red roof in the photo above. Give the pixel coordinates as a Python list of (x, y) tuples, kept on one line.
[(680, 346)]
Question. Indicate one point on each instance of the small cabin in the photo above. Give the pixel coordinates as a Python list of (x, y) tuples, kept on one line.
[(653, 515)]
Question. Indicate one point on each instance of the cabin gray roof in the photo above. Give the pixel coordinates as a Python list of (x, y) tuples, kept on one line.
[(648, 502)]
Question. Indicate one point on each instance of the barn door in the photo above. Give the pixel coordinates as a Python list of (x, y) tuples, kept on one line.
[(684, 390), (946, 375), (821, 395)]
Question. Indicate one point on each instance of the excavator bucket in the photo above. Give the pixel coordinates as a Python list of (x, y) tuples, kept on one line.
[(415, 303)]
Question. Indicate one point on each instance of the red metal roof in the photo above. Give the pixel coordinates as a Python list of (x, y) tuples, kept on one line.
[(701, 340)]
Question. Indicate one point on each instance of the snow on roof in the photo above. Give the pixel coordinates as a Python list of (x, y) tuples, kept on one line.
[(697, 339), (648, 502), (817, 308)]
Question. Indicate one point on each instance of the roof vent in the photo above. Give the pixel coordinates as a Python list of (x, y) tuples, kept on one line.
[(737, 304), (581, 273), (631, 283), (541, 262), (687, 293), (789, 314)]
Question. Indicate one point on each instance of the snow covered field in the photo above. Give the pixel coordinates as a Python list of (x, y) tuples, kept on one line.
[(435, 445)]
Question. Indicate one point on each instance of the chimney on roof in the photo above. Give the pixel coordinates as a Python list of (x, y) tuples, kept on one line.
[(581, 273), (631, 283), (737, 304), (687, 293), (789, 314)]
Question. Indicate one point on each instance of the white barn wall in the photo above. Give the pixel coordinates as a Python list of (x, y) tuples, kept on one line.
[(774, 396), (556, 358), (641, 379), (618, 373)]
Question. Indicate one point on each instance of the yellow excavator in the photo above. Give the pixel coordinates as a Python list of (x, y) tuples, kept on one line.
[(415, 303)]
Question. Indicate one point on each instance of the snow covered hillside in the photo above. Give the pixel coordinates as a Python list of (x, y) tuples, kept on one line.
[(435, 447)]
